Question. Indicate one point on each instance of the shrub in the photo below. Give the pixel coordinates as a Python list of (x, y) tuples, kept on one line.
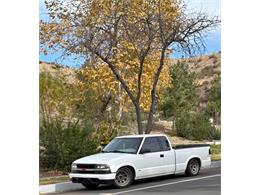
[(196, 126), (207, 71), (60, 146)]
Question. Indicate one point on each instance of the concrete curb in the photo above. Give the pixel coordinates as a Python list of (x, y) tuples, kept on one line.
[(214, 142), (59, 187), (52, 177)]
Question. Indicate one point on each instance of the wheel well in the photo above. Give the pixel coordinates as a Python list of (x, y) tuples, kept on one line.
[(131, 168), (197, 158)]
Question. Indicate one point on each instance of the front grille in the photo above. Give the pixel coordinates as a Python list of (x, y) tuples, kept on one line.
[(89, 169), (90, 172)]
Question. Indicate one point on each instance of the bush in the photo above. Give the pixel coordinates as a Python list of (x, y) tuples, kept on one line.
[(60, 146), (206, 71), (196, 126), (215, 152)]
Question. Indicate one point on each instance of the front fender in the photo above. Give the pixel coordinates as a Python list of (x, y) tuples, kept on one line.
[(114, 168)]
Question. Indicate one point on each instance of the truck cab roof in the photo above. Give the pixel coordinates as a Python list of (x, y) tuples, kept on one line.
[(142, 135)]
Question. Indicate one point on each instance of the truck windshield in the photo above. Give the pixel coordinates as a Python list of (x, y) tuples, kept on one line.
[(123, 145)]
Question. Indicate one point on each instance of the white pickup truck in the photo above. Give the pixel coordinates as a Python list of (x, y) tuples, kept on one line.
[(133, 157)]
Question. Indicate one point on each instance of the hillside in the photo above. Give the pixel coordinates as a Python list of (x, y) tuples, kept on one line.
[(58, 70), (206, 67)]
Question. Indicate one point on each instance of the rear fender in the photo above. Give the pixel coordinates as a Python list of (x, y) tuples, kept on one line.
[(191, 157)]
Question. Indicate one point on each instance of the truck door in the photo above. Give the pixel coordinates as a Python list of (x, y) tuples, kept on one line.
[(150, 158), (167, 160)]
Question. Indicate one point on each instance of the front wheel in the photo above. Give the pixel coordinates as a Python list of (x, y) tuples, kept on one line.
[(193, 167), (124, 177)]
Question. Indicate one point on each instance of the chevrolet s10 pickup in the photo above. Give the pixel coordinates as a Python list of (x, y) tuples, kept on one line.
[(133, 157)]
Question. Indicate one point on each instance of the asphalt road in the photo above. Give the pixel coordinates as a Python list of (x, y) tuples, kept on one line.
[(206, 183)]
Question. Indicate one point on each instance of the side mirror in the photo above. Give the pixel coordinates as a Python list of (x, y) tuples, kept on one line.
[(102, 146), (145, 150)]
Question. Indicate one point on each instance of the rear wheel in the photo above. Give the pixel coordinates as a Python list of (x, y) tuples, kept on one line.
[(90, 185), (124, 177), (193, 167)]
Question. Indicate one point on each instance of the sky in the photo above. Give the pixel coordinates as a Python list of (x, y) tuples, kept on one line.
[(212, 39)]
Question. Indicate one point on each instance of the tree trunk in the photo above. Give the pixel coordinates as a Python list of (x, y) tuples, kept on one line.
[(150, 115), (174, 125), (153, 94), (134, 100), (138, 118)]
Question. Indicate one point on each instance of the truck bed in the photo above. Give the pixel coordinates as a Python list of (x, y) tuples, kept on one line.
[(190, 146)]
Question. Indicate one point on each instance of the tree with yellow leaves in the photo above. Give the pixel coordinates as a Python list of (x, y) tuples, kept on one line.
[(109, 90), (131, 38)]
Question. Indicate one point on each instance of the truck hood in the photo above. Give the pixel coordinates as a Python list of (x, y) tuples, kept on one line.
[(102, 158)]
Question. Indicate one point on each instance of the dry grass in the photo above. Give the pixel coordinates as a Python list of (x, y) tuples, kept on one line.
[(180, 141), (215, 152)]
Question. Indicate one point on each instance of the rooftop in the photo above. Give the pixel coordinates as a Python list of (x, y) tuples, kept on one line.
[(143, 135)]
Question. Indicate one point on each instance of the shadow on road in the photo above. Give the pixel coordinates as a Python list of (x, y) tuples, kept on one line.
[(142, 182)]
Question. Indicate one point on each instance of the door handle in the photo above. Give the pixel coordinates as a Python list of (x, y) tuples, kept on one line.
[(161, 155)]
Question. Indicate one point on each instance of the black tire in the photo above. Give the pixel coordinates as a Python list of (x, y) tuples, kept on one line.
[(193, 167), (90, 185), (124, 177)]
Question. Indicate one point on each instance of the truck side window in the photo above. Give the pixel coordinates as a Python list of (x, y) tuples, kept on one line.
[(152, 144), (164, 143)]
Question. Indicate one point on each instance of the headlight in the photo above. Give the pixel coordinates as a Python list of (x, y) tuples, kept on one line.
[(102, 166), (73, 166)]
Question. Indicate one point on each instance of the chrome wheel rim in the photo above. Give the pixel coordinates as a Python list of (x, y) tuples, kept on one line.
[(122, 178), (194, 166)]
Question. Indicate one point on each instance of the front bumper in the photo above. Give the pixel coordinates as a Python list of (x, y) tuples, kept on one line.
[(109, 176)]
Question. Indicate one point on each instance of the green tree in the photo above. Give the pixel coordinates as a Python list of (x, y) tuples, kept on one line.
[(181, 95), (54, 98), (180, 102), (214, 103), (63, 101)]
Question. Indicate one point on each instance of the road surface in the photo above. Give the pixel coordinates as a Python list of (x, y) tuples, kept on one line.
[(206, 183)]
